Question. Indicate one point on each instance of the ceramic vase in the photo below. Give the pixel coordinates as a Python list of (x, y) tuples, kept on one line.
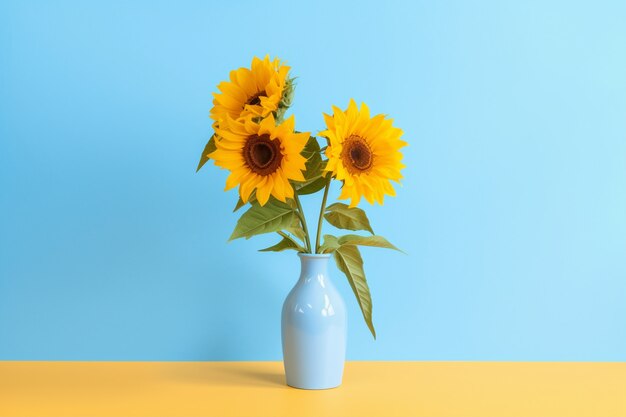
[(314, 328)]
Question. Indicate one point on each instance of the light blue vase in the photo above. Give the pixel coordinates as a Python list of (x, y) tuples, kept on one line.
[(314, 328)]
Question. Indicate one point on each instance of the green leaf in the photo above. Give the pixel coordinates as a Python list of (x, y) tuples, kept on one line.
[(314, 163), (376, 241), (272, 217), (240, 202), (330, 244), (311, 149), (284, 244), (311, 187), (343, 216), (208, 148), (349, 261), (296, 229), (239, 205), (314, 173)]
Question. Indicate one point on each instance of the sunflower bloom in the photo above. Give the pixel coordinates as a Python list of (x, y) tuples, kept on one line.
[(363, 152), (255, 92), (260, 156)]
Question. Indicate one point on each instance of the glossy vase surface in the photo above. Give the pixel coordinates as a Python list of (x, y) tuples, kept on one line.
[(314, 328)]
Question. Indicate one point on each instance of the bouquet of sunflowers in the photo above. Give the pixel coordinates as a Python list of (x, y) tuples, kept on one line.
[(273, 164)]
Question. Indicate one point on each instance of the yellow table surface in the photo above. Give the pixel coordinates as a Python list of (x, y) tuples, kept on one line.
[(258, 389)]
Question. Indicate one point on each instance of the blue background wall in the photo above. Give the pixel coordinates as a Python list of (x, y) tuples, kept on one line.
[(513, 211)]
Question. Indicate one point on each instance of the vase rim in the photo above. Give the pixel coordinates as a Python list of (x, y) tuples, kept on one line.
[(314, 255)]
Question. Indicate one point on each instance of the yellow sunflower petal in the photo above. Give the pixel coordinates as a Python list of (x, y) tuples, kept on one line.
[(363, 152), (261, 156), (255, 91), (263, 190)]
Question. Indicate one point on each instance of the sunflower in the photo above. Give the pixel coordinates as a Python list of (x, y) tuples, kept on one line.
[(260, 156), (251, 92), (363, 152)]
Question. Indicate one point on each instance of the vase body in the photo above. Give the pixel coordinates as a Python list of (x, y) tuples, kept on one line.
[(314, 328)]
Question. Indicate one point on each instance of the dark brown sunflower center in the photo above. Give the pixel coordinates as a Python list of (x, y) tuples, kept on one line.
[(356, 155), (262, 154), (255, 100)]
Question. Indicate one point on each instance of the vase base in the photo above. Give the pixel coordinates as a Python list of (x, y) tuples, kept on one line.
[(314, 388)]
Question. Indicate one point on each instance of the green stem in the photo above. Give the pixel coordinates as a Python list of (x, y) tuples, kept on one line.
[(300, 213), (321, 218)]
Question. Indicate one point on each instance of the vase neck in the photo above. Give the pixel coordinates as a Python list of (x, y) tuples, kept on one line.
[(314, 268)]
